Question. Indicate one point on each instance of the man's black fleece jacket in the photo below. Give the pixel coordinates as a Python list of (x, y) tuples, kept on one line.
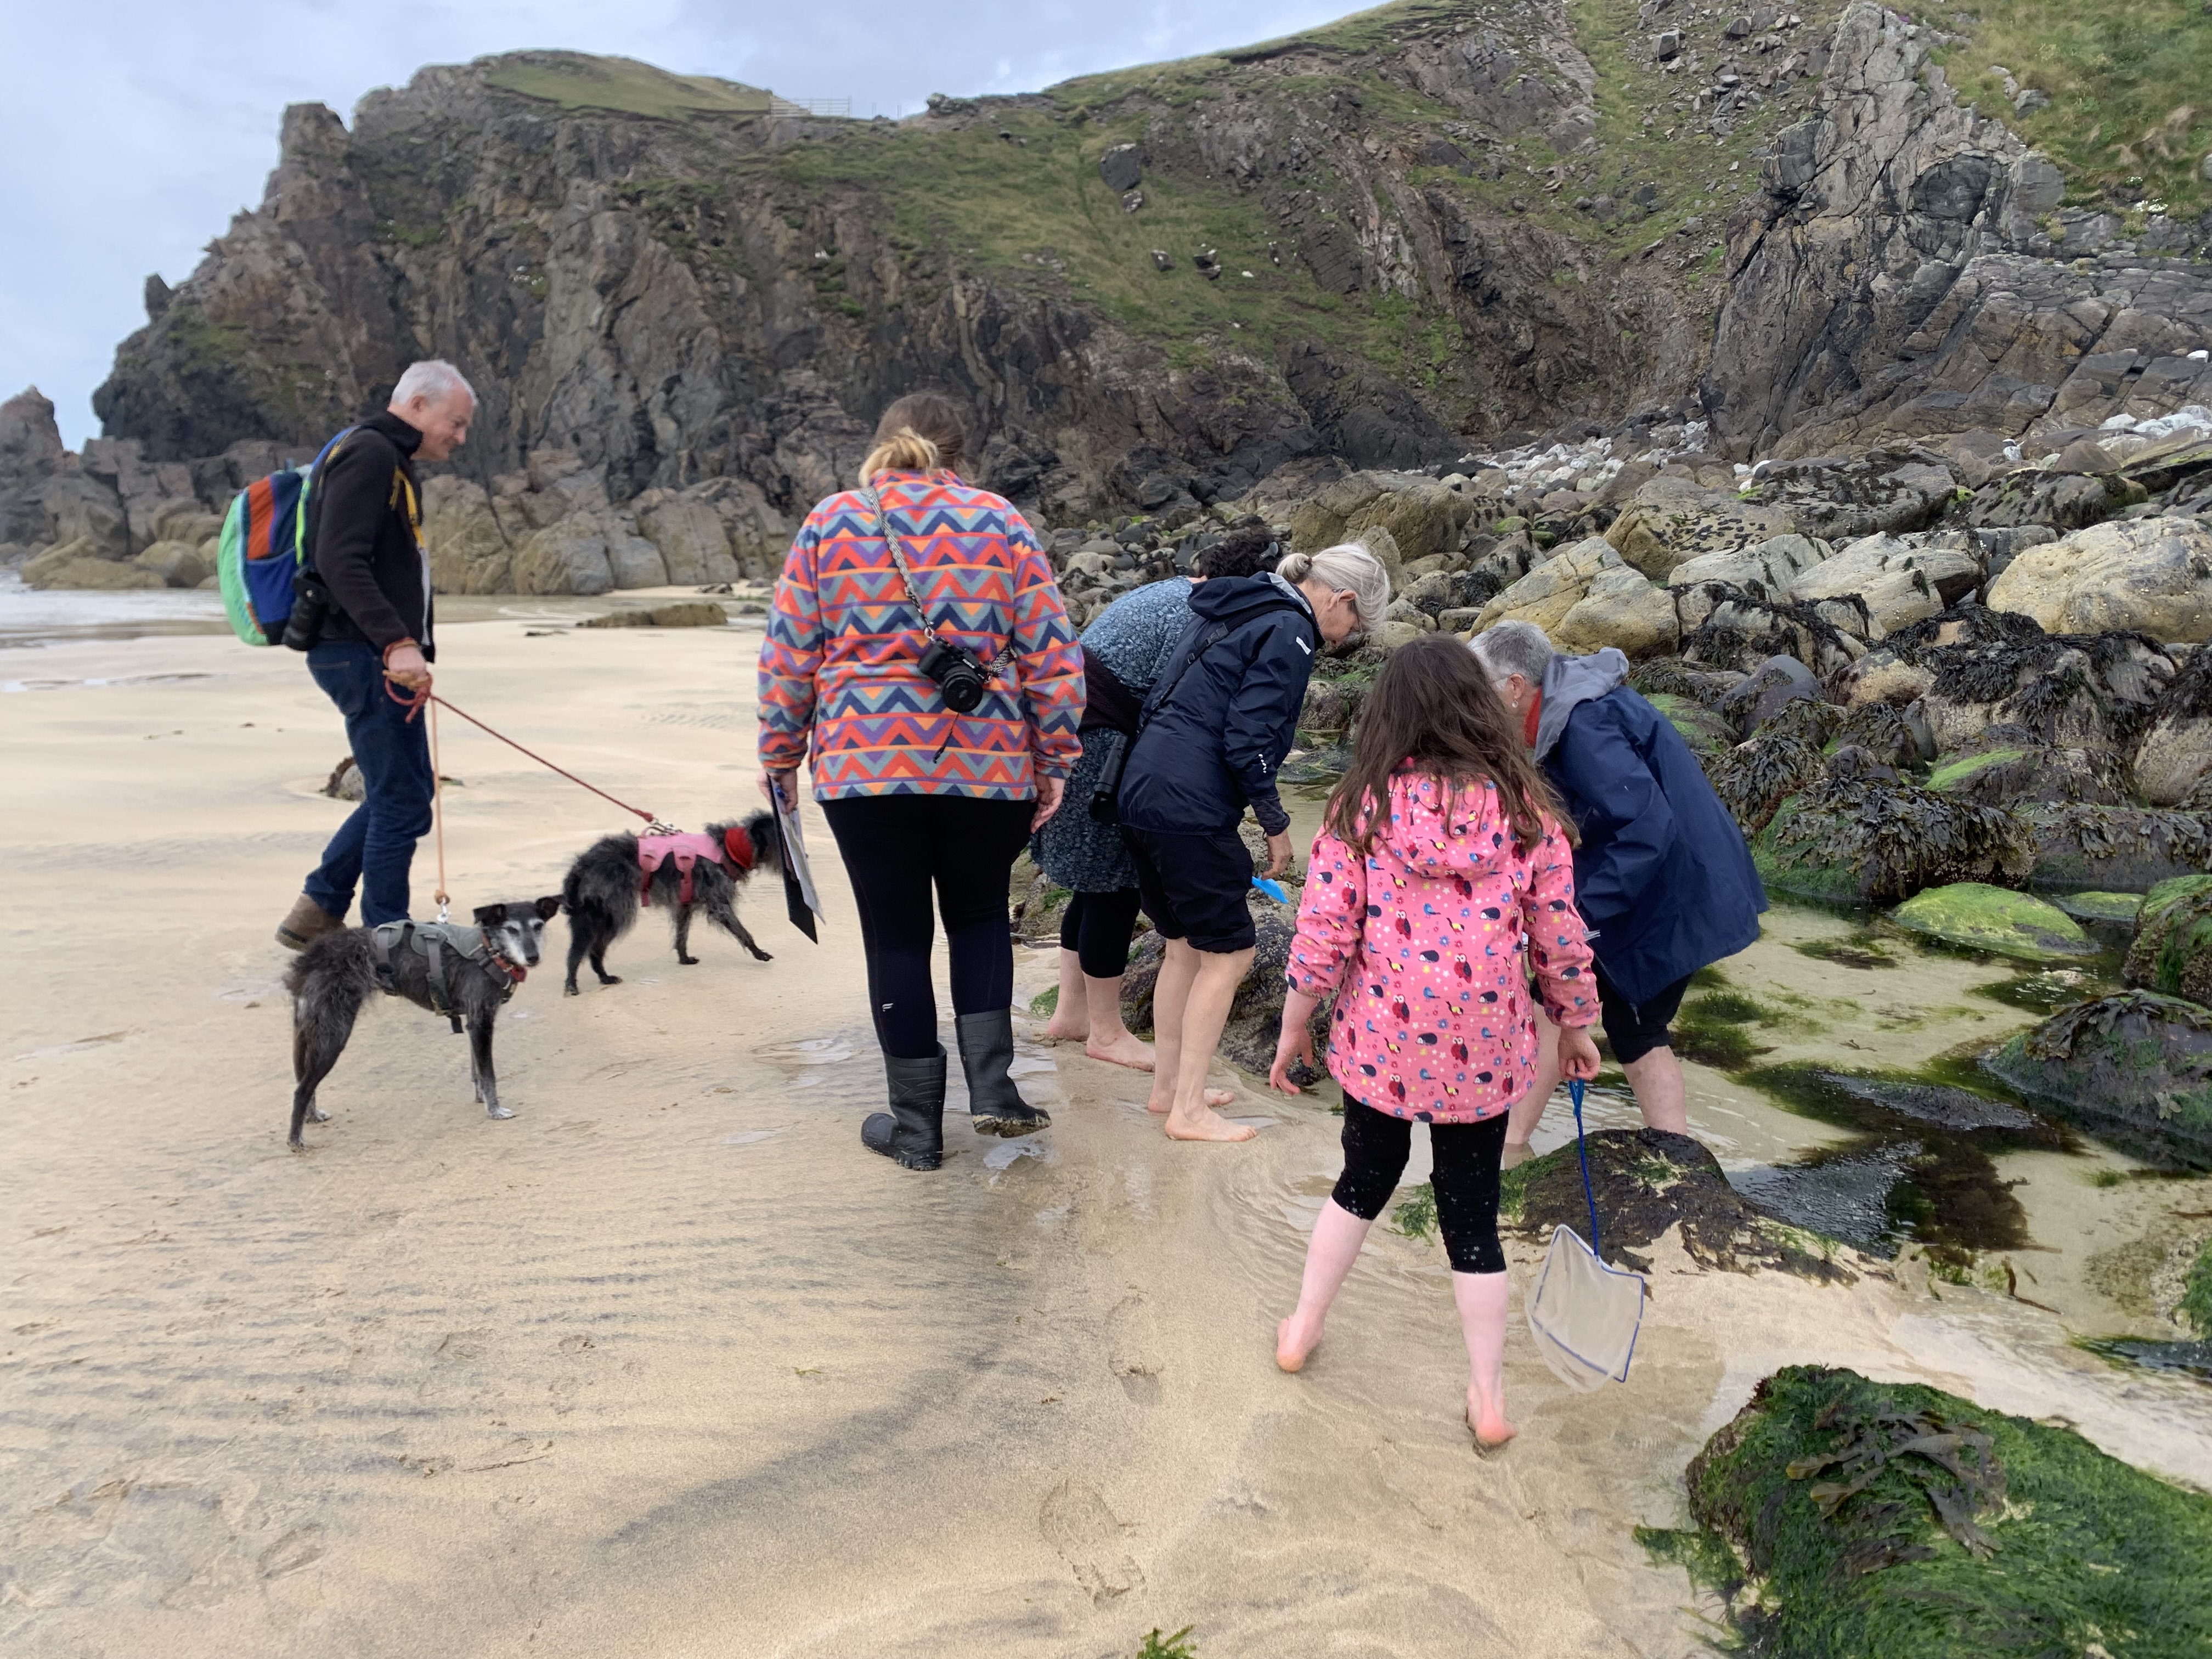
[(363, 542)]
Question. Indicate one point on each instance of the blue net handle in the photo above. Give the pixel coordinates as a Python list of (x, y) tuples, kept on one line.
[(1582, 1152)]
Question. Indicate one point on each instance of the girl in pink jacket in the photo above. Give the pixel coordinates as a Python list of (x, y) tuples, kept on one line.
[(1442, 854)]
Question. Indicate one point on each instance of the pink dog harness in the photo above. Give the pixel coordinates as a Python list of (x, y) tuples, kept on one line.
[(687, 848)]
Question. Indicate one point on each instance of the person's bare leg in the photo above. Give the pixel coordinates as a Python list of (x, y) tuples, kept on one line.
[(1337, 1237), (1170, 996), (1527, 1112), (1109, 1039), (1071, 1015), (1482, 1299), (1213, 987), (1659, 1094)]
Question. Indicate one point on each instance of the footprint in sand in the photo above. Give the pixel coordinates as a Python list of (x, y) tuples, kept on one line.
[(1076, 1522), (1132, 1349), (302, 1546)]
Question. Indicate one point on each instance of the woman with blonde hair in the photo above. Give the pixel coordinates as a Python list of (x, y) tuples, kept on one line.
[(1214, 728), (919, 651)]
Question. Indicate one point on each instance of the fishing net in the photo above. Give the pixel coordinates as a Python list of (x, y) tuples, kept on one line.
[(1583, 1313)]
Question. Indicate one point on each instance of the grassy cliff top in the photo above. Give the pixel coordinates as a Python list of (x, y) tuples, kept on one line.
[(575, 79)]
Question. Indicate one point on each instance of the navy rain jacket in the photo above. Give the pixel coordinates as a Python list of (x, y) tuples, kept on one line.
[(1213, 749), (1663, 876)]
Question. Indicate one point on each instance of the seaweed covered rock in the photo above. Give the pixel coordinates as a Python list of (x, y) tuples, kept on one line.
[(2174, 760), (1876, 842), (1646, 1180), (1765, 690), (2109, 848), (1879, 584), (1973, 669), (1708, 735), (2135, 1069), (1848, 1519), (1756, 776), (1985, 918), (1256, 1016), (1744, 626), (2008, 767), (2172, 948)]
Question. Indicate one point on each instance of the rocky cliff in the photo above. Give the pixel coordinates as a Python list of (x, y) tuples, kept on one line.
[(1383, 244)]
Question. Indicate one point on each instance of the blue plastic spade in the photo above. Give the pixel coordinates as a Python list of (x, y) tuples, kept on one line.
[(1273, 890)]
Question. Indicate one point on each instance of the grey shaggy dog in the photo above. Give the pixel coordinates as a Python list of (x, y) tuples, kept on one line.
[(602, 889), (333, 976)]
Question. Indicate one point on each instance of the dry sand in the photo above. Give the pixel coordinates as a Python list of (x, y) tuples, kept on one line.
[(668, 1366)]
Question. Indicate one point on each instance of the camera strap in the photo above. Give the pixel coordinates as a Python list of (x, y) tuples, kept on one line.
[(992, 668)]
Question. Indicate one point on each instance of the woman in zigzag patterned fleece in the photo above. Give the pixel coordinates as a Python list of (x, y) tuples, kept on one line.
[(919, 797)]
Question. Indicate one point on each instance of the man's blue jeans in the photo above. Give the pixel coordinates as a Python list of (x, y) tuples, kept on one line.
[(374, 848)]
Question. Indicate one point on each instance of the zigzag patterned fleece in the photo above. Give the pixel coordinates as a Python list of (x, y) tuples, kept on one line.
[(839, 664)]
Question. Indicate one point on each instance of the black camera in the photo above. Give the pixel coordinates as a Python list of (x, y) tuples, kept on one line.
[(311, 604), (958, 675)]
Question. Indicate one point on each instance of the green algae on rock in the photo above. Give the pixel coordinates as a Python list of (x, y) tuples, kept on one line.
[(2173, 951), (1868, 840), (1846, 1519), (1986, 918), (2100, 906), (2134, 1069)]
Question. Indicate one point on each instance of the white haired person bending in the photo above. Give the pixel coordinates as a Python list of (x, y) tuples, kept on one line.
[(1662, 877), (364, 540), (1216, 725)]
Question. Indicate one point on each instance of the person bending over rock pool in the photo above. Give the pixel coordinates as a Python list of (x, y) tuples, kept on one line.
[(1661, 875), (925, 784), (1124, 649), (1442, 856), (1215, 728)]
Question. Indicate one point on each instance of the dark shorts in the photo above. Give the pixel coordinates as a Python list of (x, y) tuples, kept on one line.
[(1634, 1030), (1193, 886)]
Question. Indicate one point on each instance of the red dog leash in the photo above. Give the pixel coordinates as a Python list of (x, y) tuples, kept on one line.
[(414, 706)]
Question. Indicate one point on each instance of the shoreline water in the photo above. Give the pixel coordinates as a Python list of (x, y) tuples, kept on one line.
[(668, 1364)]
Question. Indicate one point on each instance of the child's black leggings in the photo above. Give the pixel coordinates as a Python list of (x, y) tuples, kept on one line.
[(1097, 927), (1375, 1147)]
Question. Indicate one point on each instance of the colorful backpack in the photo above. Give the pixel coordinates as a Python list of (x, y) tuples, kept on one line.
[(263, 548)]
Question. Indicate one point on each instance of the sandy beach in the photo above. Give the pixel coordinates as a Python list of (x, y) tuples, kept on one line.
[(669, 1365)]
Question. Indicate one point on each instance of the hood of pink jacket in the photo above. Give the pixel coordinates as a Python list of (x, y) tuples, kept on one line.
[(1474, 840)]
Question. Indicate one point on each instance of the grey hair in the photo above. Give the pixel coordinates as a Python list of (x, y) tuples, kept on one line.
[(433, 380), (1348, 568), (1508, 648)]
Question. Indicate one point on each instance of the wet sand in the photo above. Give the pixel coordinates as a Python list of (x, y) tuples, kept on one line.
[(668, 1366)]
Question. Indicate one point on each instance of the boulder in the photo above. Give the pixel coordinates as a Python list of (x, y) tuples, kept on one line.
[(1879, 584), (1985, 918), (73, 565), (1708, 735), (1840, 1516), (1878, 841), (469, 550), (1766, 691), (2173, 948), (1422, 515), (1549, 592), (1754, 778), (2150, 575), (81, 508), (2113, 848), (183, 519), (563, 558), (1331, 706), (1998, 772), (1671, 521), (1841, 497), (179, 564), (1388, 635), (2175, 759), (2134, 1069), (1621, 608), (693, 540), (682, 613), (1772, 565), (635, 562)]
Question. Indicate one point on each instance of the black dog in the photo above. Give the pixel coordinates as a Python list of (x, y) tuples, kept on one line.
[(606, 884), (464, 974)]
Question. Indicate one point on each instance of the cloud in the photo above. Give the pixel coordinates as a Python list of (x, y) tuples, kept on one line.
[(134, 130)]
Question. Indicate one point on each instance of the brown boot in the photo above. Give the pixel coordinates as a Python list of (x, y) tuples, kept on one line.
[(308, 922)]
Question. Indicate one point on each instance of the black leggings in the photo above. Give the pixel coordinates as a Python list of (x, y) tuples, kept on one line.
[(895, 848), (1097, 926), (1466, 1155)]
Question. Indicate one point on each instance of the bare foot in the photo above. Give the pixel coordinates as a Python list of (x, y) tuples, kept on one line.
[(1295, 1341), (1214, 1097), (1056, 1030), (1127, 1049), (1488, 1423), (1205, 1127)]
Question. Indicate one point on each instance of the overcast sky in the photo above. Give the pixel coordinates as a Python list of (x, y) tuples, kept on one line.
[(134, 130)]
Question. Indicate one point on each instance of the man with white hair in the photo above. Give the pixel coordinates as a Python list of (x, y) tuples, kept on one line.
[(1663, 877), (364, 541)]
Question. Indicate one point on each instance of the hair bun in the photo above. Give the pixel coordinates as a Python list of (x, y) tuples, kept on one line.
[(1295, 566)]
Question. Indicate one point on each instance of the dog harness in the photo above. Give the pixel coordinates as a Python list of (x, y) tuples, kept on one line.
[(439, 944), (687, 848)]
